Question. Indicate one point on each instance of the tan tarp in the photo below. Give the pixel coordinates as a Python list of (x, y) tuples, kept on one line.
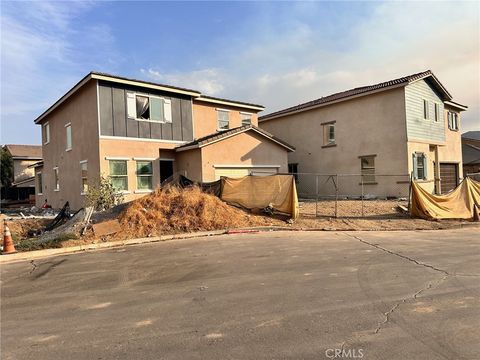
[(251, 192), (461, 203)]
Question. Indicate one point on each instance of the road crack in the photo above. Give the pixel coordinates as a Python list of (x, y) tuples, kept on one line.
[(34, 266), (429, 286)]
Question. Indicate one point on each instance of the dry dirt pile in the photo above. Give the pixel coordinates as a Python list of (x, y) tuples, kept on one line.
[(175, 210)]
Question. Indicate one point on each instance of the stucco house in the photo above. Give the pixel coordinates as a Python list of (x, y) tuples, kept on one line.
[(408, 125), (23, 181), (140, 133)]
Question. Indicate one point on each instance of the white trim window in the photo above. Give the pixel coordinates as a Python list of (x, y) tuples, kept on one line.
[(144, 107), (144, 175), (420, 166), (223, 118), (56, 179), (39, 183), (437, 112), (452, 120), (119, 174), (68, 133), (329, 134), (84, 176), (246, 118), (426, 112), (367, 168), (46, 133)]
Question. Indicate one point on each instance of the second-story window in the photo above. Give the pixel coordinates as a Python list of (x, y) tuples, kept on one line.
[(68, 130), (149, 108), (46, 133), (426, 112), (437, 112), (56, 180), (246, 118), (223, 119), (452, 120), (329, 134)]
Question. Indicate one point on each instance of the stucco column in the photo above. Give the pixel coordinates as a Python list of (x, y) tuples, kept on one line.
[(438, 182)]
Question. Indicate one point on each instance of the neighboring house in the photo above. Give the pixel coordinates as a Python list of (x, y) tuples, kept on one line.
[(471, 153), (23, 181), (405, 126), (142, 133)]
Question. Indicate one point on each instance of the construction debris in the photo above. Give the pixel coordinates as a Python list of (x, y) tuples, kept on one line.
[(107, 228)]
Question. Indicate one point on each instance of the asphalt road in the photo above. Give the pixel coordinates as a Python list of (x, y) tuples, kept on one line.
[(282, 295)]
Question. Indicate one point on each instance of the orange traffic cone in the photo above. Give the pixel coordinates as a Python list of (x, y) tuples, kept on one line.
[(8, 247)]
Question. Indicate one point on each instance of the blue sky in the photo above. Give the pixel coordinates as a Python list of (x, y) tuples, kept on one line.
[(273, 53)]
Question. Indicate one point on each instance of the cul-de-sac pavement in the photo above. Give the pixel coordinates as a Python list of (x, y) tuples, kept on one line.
[(277, 295)]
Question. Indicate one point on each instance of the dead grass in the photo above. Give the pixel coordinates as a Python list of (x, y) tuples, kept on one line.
[(175, 210)]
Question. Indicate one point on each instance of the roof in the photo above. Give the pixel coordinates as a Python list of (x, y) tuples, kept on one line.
[(26, 152), (475, 135), (23, 181), (219, 136), (229, 102), (142, 83), (470, 154), (360, 91)]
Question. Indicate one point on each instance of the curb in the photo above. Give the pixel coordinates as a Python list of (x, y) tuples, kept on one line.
[(37, 254)]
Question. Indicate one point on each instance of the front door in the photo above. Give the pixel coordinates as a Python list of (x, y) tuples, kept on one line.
[(166, 170)]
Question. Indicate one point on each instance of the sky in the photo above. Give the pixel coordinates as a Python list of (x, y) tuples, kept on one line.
[(277, 54)]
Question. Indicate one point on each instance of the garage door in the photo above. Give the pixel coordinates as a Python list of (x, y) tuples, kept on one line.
[(448, 176), (241, 171)]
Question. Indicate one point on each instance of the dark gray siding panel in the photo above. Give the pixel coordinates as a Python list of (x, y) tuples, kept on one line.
[(132, 128), (119, 117), (106, 124), (187, 124), (176, 119), (144, 129), (114, 121)]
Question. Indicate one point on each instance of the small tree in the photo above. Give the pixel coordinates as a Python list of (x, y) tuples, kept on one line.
[(103, 196), (6, 167)]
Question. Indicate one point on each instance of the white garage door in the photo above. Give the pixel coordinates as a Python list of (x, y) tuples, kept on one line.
[(234, 172)]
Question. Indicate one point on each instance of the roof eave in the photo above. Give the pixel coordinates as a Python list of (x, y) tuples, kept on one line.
[(230, 103), (456, 105)]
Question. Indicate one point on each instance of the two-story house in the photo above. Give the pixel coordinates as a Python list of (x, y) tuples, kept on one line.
[(405, 126), (140, 133), (22, 182)]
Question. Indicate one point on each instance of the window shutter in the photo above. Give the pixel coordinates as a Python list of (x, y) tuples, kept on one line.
[(415, 172), (425, 166), (167, 110), (131, 105)]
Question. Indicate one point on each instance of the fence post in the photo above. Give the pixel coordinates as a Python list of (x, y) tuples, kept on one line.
[(336, 195), (361, 177), (316, 192)]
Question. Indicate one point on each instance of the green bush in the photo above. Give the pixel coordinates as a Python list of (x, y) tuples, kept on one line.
[(103, 196)]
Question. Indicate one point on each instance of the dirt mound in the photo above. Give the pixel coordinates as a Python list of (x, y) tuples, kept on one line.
[(175, 210)]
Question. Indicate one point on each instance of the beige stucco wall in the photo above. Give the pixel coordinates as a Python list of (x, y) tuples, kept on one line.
[(452, 151), (21, 170), (189, 164), (81, 111), (205, 117), (131, 150), (368, 125), (246, 148)]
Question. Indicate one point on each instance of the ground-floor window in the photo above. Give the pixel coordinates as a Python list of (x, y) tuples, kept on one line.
[(144, 175), (39, 183), (419, 166), (293, 169), (56, 183), (367, 168), (118, 174), (84, 175)]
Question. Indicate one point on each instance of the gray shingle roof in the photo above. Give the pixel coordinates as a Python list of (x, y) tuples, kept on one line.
[(475, 135), (344, 95), (33, 152)]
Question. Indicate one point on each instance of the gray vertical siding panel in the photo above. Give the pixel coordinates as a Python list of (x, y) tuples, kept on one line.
[(419, 128), (187, 124), (176, 119), (106, 117), (119, 113), (156, 131), (132, 128), (144, 129)]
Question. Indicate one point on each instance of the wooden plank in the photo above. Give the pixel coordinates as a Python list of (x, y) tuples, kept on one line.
[(106, 228)]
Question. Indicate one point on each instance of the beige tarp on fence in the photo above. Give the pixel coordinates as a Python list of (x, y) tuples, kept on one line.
[(251, 192), (461, 203)]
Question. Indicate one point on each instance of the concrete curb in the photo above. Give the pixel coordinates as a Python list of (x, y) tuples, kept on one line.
[(37, 254)]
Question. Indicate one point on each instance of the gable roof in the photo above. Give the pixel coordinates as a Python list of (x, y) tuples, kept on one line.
[(25, 152), (141, 83), (219, 136), (363, 90), (470, 154), (475, 135)]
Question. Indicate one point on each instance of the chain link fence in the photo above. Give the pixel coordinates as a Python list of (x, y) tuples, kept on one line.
[(352, 195)]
